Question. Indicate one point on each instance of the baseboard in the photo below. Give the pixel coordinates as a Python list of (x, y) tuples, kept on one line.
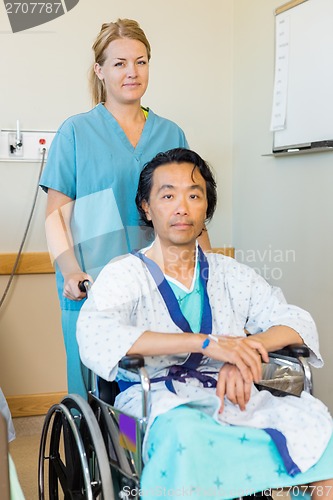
[(29, 263), (30, 405)]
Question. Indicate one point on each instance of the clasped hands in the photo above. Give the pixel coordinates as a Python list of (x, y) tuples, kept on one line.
[(242, 367)]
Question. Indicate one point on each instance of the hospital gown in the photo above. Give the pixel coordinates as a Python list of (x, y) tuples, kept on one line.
[(125, 301)]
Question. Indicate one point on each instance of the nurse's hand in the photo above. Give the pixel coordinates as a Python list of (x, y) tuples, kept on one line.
[(231, 384), (71, 288)]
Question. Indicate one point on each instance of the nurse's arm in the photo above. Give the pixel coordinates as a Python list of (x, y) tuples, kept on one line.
[(60, 243)]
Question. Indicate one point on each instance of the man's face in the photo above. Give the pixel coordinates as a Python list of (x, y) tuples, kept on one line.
[(178, 204)]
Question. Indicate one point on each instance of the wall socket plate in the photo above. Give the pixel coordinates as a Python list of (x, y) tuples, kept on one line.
[(33, 141)]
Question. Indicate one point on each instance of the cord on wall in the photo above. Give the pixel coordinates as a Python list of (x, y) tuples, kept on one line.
[(11, 277)]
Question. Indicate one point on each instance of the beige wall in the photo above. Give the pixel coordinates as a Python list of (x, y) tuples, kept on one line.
[(32, 353), (43, 79)]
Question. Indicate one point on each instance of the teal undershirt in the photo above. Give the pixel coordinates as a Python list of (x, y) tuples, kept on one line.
[(190, 302)]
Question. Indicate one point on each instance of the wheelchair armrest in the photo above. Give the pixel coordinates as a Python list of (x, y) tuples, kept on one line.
[(294, 351), (136, 363), (108, 391), (132, 362)]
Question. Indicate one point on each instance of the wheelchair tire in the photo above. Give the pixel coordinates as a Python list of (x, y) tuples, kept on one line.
[(72, 443)]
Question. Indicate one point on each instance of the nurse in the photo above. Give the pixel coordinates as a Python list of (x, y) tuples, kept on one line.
[(92, 173)]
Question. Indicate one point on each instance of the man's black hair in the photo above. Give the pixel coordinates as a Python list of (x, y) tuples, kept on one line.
[(177, 155)]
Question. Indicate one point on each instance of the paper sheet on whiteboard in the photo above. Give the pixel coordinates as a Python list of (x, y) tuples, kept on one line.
[(279, 108)]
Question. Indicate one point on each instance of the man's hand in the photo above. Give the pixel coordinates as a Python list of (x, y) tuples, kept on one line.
[(245, 353), (231, 384), (71, 288)]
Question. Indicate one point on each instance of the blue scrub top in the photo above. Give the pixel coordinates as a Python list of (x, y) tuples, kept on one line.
[(92, 162)]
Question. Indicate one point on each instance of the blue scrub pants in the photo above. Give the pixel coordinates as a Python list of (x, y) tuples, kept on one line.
[(77, 374)]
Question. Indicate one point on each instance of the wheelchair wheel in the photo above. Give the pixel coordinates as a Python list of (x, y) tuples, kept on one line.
[(73, 448)]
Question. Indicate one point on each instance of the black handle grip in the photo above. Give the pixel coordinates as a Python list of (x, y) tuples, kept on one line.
[(294, 350), (83, 286), (132, 362)]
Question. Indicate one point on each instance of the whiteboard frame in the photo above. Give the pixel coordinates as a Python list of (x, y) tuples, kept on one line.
[(287, 6), (314, 134)]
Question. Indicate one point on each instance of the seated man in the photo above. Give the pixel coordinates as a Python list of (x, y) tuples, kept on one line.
[(210, 432)]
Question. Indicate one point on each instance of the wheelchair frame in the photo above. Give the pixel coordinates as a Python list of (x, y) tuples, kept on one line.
[(86, 460)]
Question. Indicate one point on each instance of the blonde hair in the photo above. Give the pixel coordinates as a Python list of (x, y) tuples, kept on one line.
[(122, 28)]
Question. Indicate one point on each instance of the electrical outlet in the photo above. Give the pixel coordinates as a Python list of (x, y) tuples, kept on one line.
[(27, 147)]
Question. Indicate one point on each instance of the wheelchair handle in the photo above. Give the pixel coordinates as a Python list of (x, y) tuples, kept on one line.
[(84, 286)]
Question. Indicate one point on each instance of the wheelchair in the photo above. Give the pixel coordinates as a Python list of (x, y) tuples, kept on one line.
[(91, 450)]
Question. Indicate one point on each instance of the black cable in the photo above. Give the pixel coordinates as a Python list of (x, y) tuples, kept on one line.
[(25, 233)]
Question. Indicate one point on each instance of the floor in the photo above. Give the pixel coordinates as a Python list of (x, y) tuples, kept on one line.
[(24, 451)]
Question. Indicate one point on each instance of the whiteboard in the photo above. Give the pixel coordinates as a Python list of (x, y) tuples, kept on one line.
[(309, 85)]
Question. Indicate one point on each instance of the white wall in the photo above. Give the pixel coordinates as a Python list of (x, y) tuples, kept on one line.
[(43, 79), (282, 207)]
